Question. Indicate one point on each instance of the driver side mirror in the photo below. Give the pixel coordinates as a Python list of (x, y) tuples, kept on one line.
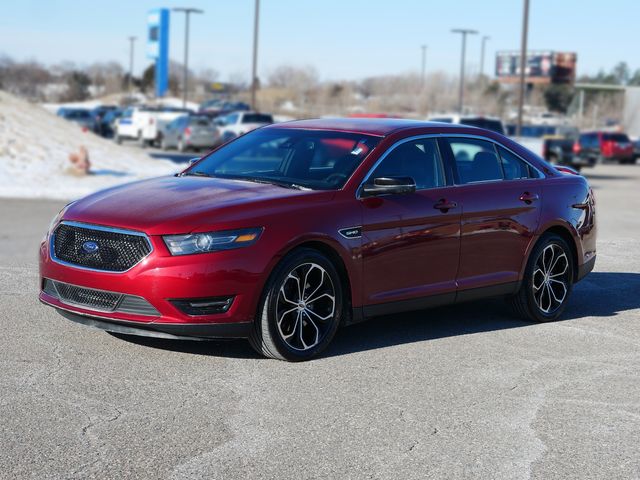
[(193, 160), (389, 186)]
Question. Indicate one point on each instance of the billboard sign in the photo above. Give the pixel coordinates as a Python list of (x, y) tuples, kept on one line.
[(158, 47), (541, 67)]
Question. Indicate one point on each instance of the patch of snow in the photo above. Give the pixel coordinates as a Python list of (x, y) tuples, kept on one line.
[(34, 155)]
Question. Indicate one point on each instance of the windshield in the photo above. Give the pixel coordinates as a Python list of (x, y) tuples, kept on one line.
[(487, 124), (314, 159), (615, 137)]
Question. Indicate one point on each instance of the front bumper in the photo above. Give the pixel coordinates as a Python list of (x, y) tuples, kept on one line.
[(168, 331), (165, 282)]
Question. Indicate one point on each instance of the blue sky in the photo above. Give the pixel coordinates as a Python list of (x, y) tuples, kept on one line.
[(341, 38)]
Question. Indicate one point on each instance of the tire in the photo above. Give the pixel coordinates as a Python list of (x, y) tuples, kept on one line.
[(304, 328), (537, 299)]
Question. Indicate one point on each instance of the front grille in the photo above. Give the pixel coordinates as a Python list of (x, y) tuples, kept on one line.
[(87, 297), (99, 300), (115, 250)]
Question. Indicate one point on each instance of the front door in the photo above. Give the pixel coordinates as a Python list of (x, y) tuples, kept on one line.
[(410, 242)]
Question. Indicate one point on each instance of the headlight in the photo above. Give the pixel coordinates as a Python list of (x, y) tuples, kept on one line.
[(212, 241)]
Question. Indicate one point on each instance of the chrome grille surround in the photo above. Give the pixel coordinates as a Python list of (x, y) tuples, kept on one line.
[(98, 300), (122, 249)]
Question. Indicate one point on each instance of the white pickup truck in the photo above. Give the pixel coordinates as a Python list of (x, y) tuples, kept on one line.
[(145, 124)]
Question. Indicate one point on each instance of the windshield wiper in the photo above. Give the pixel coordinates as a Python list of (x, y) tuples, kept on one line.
[(267, 181), (195, 174)]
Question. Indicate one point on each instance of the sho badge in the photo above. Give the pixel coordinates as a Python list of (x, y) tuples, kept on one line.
[(351, 232)]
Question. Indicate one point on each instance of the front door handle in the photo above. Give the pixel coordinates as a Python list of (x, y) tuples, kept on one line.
[(529, 198), (444, 205)]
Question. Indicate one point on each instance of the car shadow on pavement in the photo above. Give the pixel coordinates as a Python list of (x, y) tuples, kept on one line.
[(600, 294)]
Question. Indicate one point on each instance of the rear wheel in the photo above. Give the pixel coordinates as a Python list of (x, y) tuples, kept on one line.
[(301, 308), (547, 282)]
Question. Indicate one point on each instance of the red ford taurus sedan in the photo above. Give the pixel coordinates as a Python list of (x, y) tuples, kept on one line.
[(292, 230)]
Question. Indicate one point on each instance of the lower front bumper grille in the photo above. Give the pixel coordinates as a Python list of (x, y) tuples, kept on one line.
[(98, 300)]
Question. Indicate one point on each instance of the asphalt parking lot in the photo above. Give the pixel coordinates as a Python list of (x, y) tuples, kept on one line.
[(458, 392)]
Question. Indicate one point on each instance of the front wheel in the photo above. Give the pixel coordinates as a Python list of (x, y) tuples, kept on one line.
[(547, 282), (301, 308)]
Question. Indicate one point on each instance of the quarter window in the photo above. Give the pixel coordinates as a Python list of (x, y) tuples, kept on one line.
[(418, 159)]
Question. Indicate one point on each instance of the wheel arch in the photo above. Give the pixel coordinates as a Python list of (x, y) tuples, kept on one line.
[(567, 233), (332, 252)]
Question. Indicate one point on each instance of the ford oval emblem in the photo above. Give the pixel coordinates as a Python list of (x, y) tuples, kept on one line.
[(90, 247)]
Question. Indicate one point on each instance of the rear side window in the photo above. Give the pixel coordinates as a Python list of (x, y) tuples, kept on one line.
[(418, 159), (476, 160), (514, 167)]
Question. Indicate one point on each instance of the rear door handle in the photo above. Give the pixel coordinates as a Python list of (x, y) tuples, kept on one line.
[(444, 205), (529, 198)]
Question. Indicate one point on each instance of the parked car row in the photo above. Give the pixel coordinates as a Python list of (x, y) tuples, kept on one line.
[(589, 148)]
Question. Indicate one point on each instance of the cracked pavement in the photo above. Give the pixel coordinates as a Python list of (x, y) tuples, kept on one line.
[(458, 392)]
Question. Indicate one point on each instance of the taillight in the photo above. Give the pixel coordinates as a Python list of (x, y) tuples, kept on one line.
[(576, 147), (187, 132), (150, 120)]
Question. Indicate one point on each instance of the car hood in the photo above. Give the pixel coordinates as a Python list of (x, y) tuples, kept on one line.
[(175, 204)]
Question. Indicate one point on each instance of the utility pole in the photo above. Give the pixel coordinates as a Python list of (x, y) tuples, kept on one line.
[(424, 65), (484, 41), (254, 68), (131, 47), (523, 65), (464, 32), (185, 75)]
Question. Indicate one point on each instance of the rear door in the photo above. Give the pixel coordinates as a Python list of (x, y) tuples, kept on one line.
[(500, 196), (411, 242)]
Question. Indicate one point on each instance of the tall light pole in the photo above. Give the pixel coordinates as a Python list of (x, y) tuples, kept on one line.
[(523, 64), (424, 64), (464, 32), (254, 67), (187, 12), (484, 41), (131, 47)]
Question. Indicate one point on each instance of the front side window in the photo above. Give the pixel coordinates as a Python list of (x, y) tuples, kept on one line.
[(476, 160), (318, 160), (418, 159)]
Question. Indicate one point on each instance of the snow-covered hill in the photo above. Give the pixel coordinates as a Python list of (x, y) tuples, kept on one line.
[(34, 150)]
